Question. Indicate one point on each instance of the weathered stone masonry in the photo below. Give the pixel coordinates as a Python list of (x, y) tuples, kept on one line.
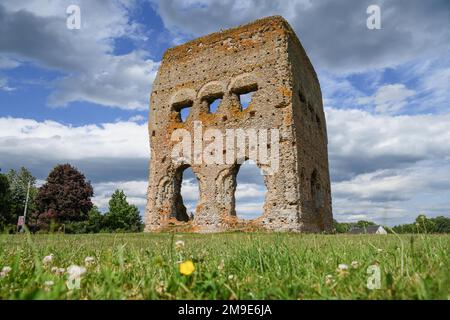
[(264, 57)]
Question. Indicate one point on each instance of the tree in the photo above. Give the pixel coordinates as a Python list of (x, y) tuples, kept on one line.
[(65, 197), (341, 227), (18, 185), (93, 224), (364, 224), (442, 224), (121, 215), (423, 224), (5, 202)]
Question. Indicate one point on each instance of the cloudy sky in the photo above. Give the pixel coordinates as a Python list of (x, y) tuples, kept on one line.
[(81, 96)]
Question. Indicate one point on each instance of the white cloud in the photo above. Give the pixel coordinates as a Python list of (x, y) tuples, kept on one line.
[(395, 185), (333, 33), (4, 85), (360, 142), (189, 190), (105, 152), (137, 118), (388, 168), (435, 84), (8, 63), (389, 99), (250, 191), (54, 140), (86, 57), (136, 192)]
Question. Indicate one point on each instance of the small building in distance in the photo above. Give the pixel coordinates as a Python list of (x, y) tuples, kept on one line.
[(369, 230)]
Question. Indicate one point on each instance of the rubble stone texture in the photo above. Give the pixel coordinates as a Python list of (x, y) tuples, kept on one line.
[(264, 57)]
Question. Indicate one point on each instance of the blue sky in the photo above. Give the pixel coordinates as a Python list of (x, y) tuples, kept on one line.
[(81, 96)]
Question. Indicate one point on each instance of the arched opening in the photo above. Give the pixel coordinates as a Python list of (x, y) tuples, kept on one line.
[(213, 102), (182, 109), (250, 191), (186, 194), (245, 95)]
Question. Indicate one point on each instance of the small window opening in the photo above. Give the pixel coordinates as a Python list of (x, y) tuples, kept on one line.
[(214, 102), (184, 113), (245, 95), (183, 110)]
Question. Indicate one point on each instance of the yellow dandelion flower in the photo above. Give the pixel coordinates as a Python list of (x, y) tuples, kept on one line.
[(187, 268)]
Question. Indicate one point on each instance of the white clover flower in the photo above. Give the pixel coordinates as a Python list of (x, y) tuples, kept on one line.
[(88, 261), (342, 267), (342, 270), (6, 269), (179, 244), (61, 270), (75, 272), (355, 264), (74, 279), (230, 277), (47, 259), (49, 283), (329, 279)]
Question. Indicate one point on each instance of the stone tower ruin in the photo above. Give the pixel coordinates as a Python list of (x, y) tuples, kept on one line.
[(264, 57)]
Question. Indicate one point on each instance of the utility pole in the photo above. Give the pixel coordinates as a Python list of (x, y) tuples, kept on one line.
[(26, 203)]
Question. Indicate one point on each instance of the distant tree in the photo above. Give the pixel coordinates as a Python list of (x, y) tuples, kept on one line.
[(121, 215), (18, 185), (364, 224), (95, 221), (65, 197), (93, 224), (442, 224), (423, 224), (5, 202), (46, 221), (341, 227)]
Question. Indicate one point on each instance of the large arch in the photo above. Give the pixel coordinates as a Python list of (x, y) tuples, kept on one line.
[(250, 191), (185, 178)]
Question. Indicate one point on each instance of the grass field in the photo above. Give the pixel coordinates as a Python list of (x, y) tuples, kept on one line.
[(227, 266)]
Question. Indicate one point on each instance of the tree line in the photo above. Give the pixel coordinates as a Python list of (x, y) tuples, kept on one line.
[(422, 224), (62, 204)]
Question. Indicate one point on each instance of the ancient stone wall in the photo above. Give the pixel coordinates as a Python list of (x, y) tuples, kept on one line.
[(264, 57)]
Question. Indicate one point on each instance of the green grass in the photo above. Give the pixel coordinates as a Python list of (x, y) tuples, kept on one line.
[(227, 266)]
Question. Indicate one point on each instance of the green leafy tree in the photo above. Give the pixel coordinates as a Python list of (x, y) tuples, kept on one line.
[(423, 224), (96, 221), (364, 224), (5, 202), (121, 215), (442, 224), (341, 227), (18, 185), (64, 198), (93, 224)]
